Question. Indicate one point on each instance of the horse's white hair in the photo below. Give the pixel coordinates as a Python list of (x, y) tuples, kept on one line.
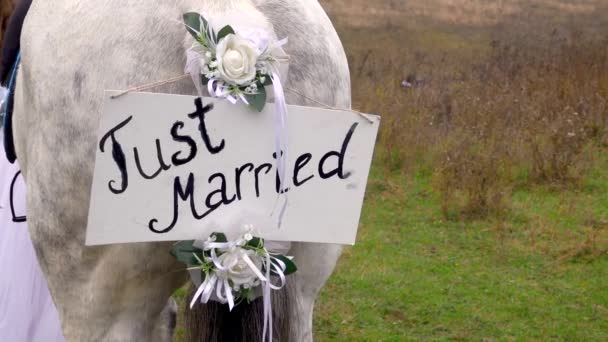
[(71, 52)]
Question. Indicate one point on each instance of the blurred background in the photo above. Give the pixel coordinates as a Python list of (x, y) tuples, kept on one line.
[(486, 215)]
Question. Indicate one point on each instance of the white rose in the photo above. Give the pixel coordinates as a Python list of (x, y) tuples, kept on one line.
[(237, 269), (236, 58)]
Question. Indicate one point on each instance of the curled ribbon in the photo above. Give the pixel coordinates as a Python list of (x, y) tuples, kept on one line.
[(220, 89), (220, 280), (281, 137)]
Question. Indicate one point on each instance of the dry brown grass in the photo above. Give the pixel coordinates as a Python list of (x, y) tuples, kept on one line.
[(521, 101), (364, 13)]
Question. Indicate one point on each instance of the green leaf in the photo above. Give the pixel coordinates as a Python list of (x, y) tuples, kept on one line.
[(220, 237), (257, 101), (193, 22), (184, 251), (290, 265), (267, 81), (184, 246), (226, 30), (204, 81), (255, 243)]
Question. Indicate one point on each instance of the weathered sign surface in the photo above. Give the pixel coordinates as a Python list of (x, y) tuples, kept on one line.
[(170, 167)]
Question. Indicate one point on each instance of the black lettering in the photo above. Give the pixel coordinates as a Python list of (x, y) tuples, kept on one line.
[(118, 155), (179, 193), (202, 127), (259, 169), (159, 155), (277, 183), (238, 171), (185, 139), (300, 163), (339, 170), (221, 191)]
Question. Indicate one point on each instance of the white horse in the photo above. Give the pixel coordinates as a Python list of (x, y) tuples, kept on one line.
[(72, 51)]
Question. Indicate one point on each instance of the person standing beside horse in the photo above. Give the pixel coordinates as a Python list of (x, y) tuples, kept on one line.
[(27, 311)]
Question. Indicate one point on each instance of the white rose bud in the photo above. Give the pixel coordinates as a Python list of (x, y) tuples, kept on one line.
[(237, 270), (236, 57)]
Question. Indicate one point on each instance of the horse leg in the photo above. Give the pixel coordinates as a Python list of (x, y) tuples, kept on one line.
[(102, 293), (167, 321), (316, 262)]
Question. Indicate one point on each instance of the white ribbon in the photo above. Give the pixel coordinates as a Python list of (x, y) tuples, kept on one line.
[(205, 290), (267, 305), (280, 137), (220, 89), (221, 284)]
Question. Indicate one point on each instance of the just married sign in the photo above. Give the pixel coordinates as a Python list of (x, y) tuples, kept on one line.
[(173, 167)]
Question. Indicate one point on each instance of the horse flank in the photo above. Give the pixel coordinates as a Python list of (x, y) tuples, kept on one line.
[(107, 293)]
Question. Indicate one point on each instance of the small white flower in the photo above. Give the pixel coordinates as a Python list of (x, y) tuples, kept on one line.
[(248, 237), (236, 57), (203, 63), (263, 79), (208, 54)]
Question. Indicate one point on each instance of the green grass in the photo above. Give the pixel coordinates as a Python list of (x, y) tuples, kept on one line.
[(414, 275)]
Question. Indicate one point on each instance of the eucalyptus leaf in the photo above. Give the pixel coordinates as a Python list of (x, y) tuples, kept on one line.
[(255, 243), (290, 265), (257, 101), (220, 237), (204, 81), (184, 251), (267, 81), (184, 246), (226, 30), (193, 22)]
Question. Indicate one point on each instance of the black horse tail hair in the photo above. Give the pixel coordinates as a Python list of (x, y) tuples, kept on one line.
[(213, 322)]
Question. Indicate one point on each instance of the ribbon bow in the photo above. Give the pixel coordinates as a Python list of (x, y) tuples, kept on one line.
[(217, 280)]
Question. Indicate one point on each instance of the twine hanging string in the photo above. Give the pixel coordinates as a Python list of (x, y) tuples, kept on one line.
[(363, 115), (185, 76), (151, 85)]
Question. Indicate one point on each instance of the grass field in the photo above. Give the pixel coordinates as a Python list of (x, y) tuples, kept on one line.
[(541, 274), (476, 227), (486, 214)]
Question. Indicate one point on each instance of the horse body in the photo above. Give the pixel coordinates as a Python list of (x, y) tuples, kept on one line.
[(71, 52)]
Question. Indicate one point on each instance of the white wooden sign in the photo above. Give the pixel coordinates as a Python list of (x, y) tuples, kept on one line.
[(170, 168)]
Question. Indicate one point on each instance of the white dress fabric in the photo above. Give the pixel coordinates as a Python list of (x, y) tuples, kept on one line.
[(27, 312)]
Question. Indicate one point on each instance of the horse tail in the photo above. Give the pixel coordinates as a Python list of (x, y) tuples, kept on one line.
[(213, 322)]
